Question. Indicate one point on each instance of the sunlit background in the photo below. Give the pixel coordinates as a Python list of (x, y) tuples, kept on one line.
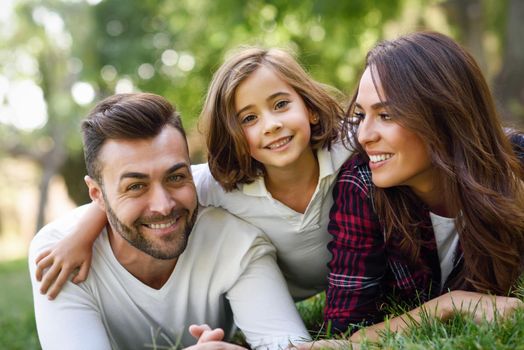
[(59, 57)]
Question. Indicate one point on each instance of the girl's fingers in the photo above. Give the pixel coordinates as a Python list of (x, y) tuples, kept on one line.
[(42, 255), (56, 287), (49, 277), (43, 261), (81, 276)]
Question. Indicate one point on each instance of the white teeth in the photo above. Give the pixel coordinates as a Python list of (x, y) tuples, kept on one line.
[(161, 226), (380, 157), (279, 143)]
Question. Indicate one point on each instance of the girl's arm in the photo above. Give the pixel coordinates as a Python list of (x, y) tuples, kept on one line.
[(72, 254), (477, 305)]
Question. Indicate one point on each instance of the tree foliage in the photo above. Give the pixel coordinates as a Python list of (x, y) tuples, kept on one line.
[(173, 47)]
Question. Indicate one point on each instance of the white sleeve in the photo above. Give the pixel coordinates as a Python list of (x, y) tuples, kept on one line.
[(72, 320), (209, 191), (262, 306)]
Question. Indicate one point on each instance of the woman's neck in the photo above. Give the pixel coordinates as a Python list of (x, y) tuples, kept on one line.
[(435, 200), (294, 186)]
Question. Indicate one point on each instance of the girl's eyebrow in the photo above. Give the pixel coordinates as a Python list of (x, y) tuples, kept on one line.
[(269, 98)]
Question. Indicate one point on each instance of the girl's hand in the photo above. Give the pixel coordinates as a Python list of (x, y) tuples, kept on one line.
[(69, 257), (72, 255)]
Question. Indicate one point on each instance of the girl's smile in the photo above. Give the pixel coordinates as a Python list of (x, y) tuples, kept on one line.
[(275, 121)]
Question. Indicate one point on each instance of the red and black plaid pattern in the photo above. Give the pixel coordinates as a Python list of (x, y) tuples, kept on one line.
[(365, 270)]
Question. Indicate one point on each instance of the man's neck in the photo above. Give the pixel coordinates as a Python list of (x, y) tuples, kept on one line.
[(151, 271)]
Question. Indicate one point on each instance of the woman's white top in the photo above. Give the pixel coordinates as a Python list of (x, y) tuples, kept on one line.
[(447, 240), (300, 239)]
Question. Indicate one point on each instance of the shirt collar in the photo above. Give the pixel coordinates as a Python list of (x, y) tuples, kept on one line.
[(328, 161)]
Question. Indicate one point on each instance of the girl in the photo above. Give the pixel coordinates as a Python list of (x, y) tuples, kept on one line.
[(273, 156), (433, 201)]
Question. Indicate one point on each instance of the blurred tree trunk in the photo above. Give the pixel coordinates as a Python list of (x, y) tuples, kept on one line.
[(509, 83), (468, 17), (50, 163)]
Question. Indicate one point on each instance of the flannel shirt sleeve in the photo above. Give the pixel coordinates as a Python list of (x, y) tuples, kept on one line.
[(358, 262)]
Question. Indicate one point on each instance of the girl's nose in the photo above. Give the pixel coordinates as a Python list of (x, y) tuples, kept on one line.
[(272, 124)]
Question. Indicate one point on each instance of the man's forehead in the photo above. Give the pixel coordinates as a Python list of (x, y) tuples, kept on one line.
[(167, 148)]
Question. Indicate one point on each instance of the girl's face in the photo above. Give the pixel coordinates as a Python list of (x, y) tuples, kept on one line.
[(275, 120), (397, 155)]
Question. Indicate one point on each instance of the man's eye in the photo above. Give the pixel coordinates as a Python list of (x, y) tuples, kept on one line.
[(175, 178), (248, 118), (135, 187), (281, 104)]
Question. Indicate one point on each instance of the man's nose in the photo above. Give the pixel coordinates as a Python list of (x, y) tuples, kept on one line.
[(161, 200)]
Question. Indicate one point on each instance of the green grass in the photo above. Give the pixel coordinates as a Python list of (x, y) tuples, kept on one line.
[(458, 333), (17, 325), (17, 322)]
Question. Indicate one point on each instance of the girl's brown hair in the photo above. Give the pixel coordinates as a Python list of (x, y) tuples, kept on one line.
[(228, 153), (434, 88)]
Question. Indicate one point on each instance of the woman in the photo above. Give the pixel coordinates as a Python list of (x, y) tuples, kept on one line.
[(430, 210)]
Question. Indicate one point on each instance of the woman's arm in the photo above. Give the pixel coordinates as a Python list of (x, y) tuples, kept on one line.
[(358, 261), (477, 305), (70, 255)]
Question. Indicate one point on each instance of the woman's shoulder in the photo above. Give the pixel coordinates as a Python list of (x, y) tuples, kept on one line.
[(355, 175)]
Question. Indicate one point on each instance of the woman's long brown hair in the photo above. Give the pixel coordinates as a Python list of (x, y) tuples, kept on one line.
[(434, 88)]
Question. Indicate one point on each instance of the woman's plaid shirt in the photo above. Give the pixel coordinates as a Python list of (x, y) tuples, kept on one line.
[(366, 272)]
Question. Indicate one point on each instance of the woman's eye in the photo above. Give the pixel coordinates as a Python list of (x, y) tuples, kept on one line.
[(384, 116), (356, 118), (281, 104), (248, 118)]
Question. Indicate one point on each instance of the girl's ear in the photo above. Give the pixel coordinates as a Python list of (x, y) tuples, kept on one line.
[(313, 118)]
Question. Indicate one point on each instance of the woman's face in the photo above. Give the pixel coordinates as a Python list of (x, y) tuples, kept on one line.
[(398, 156)]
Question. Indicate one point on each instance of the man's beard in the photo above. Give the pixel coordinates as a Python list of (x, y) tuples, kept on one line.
[(169, 248)]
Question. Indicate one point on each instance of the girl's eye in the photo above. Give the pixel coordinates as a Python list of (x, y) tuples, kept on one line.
[(281, 104), (248, 118)]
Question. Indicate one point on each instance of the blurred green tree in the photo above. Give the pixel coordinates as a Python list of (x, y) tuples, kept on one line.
[(85, 50)]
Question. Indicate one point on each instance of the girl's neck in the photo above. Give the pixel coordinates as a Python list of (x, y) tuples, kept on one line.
[(294, 186)]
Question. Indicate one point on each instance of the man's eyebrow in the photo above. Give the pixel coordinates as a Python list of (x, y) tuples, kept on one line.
[(142, 176), (176, 167), (133, 175)]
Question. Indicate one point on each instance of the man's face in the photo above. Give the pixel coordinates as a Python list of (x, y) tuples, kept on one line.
[(148, 192)]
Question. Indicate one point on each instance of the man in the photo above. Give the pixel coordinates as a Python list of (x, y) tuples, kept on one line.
[(159, 266)]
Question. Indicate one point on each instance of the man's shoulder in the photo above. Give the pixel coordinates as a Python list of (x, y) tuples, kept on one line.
[(221, 222), (57, 229), (218, 230)]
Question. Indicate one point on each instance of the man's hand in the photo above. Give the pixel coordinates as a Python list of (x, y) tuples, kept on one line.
[(211, 339)]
